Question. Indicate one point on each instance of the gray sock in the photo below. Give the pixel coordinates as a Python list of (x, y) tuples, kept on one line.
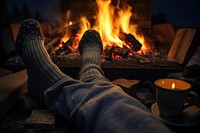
[(42, 72), (90, 48)]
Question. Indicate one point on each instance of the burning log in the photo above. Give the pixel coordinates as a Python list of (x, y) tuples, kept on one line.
[(123, 52), (65, 47), (140, 58), (118, 51), (53, 43), (108, 52), (131, 41)]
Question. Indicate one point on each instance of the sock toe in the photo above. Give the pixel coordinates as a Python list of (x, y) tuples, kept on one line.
[(42, 72), (29, 29), (90, 38)]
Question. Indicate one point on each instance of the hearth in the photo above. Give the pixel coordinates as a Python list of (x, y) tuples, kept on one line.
[(132, 52), (124, 27), (126, 34)]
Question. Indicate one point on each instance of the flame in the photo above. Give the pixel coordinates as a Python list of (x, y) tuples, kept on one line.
[(110, 21), (70, 22), (173, 86), (64, 39), (108, 26)]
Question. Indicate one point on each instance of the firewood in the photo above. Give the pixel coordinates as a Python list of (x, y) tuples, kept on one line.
[(53, 43), (66, 47), (123, 52), (131, 41), (108, 52), (141, 58)]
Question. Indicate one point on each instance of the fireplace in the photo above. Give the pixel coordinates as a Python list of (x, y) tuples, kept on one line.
[(139, 50), (130, 61), (125, 29)]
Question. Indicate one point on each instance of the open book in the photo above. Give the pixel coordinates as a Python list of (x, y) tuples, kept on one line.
[(183, 45)]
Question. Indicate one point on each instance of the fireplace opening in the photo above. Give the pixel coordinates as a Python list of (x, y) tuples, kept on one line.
[(124, 27), (130, 40)]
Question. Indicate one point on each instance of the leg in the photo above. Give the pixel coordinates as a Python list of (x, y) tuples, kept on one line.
[(93, 104), (42, 72), (90, 55), (96, 105)]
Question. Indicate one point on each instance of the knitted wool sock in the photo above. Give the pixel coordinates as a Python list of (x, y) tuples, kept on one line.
[(90, 48), (42, 72)]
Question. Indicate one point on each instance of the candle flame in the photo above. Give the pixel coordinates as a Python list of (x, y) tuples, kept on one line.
[(173, 86)]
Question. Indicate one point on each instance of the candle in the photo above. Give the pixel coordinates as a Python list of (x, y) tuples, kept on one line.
[(172, 84)]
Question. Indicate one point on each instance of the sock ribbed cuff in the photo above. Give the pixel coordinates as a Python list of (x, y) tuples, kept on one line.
[(91, 70)]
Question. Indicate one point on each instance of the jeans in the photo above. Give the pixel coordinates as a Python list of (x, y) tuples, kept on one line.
[(95, 105)]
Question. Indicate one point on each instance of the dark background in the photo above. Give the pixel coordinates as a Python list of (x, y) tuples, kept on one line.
[(183, 13)]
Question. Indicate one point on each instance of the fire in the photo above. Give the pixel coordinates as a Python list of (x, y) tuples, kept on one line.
[(64, 39), (108, 26), (111, 21)]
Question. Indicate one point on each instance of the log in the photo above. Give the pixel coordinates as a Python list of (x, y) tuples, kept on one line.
[(108, 52), (66, 47), (53, 43), (131, 41), (140, 58), (123, 52)]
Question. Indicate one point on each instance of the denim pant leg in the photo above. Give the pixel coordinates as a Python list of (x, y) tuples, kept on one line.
[(97, 106)]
